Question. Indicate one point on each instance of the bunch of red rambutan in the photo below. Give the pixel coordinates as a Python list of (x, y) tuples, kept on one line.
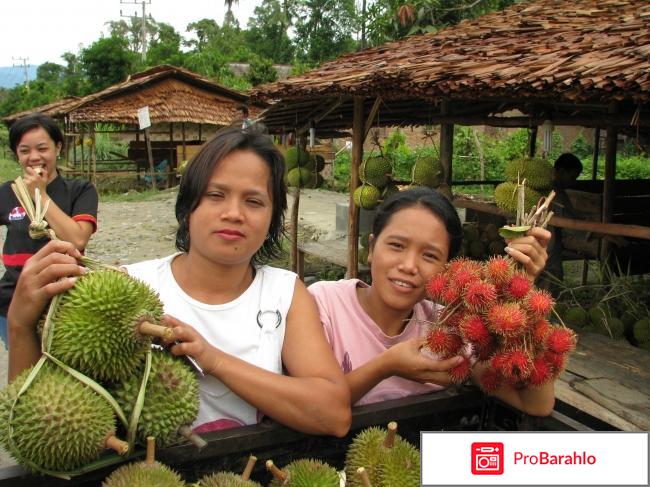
[(497, 310)]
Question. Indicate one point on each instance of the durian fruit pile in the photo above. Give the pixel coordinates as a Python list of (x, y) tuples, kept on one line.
[(230, 479), (97, 338), (538, 174), (305, 472), (386, 458), (481, 241), (376, 175), (495, 308), (364, 244), (302, 168)]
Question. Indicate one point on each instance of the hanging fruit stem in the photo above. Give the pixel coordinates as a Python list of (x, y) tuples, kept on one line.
[(187, 433), (246, 474), (112, 442), (165, 333), (363, 475), (151, 451), (389, 441), (275, 471)]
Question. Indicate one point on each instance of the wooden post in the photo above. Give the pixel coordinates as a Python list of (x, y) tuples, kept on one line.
[(446, 145), (75, 129), (295, 267), (83, 155), (532, 141), (147, 141), (200, 127), (608, 184), (358, 123), (173, 163), (183, 138), (594, 160), (93, 154)]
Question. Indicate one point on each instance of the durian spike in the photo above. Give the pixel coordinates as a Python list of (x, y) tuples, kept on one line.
[(363, 475), (246, 475), (151, 451), (277, 473), (389, 441), (112, 442), (187, 433), (165, 333)]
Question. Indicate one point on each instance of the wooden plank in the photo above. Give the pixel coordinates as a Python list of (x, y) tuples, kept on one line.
[(333, 251), (357, 157)]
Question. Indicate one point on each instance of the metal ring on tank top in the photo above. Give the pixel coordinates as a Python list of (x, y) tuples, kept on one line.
[(278, 317)]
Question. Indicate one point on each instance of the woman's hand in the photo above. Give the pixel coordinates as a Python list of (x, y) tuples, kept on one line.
[(405, 360), (530, 250), (194, 345), (51, 271), (35, 178)]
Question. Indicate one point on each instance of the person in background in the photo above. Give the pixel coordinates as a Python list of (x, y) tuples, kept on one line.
[(242, 321), (377, 331), (566, 170), (72, 213)]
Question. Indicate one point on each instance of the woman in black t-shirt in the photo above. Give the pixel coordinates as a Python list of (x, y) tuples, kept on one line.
[(72, 213)]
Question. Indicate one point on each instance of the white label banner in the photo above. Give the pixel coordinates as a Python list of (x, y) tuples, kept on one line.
[(542, 458)]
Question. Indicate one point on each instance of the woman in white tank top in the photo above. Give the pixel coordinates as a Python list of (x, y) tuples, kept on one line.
[(241, 321)]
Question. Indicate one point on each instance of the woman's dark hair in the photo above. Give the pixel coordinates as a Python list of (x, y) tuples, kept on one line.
[(199, 170), (568, 162), (30, 122), (427, 198)]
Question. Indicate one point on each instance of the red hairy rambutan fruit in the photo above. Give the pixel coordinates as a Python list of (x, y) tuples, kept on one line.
[(540, 373), (464, 264), (498, 270), (435, 286), (515, 366), (461, 372), (462, 279), (473, 329), (518, 286), (449, 295), (479, 295), (485, 352), (443, 342), (561, 340), (453, 320), (506, 319), (490, 381), (538, 303), (556, 361), (539, 330)]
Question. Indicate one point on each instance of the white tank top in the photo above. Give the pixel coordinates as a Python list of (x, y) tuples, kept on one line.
[(232, 327)]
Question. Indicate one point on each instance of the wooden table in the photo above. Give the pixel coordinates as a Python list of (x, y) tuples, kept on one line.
[(333, 251)]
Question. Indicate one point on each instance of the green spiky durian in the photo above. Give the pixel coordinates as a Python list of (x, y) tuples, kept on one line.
[(363, 255), (426, 172), (308, 473), (385, 465), (641, 330), (96, 324), (315, 181), (376, 171), (58, 423), (576, 317), (142, 474), (505, 195), (319, 162), (298, 177), (226, 479), (390, 189), (364, 240), (366, 196), (295, 157), (171, 398), (537, 172)]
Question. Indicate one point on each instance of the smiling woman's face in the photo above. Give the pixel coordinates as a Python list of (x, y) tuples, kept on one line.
[(36, 149), (412, 247)]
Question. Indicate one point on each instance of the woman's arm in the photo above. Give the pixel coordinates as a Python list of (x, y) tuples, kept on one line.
[(530, 251), (536, 401), (47, 273), (313, 398), (66, 228), (403, 360)]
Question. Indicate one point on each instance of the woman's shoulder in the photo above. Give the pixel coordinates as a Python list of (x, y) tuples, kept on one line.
[(147, 268), (342, 286), (276, 272)]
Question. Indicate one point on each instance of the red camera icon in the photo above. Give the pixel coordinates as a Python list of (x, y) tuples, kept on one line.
[(487, 458)]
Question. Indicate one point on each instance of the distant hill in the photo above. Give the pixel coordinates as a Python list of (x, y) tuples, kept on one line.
[(11, 76)]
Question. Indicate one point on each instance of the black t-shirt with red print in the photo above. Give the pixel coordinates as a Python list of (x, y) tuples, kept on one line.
[(76, 197)]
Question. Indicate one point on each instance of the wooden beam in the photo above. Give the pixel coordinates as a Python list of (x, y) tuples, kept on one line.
[(319, 117), (371, 117), (446, 145), (353, 210)]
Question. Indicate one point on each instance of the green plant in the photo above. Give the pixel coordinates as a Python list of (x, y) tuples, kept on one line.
[(9, 170)]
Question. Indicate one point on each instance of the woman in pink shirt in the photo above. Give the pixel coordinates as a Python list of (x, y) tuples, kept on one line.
[(377, 331)]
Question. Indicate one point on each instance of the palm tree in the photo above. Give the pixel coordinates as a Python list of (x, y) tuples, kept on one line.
[(229, 16)]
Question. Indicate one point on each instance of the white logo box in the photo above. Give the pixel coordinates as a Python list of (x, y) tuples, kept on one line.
[(536, 458)]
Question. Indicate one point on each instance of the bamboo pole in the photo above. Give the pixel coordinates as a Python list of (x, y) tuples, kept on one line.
[(353, 211), (93, 154), (532, 141), (446, 145), (608, 185)]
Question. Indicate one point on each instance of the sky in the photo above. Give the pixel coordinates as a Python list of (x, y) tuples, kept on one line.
[(42, 30)]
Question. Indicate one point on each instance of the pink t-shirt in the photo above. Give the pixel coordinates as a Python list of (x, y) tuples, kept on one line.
[(356, 338)]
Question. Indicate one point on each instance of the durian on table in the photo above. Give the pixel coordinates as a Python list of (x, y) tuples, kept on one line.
[(305, 472), (231, 479)]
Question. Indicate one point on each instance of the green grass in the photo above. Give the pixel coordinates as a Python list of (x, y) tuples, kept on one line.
[(9, 170)]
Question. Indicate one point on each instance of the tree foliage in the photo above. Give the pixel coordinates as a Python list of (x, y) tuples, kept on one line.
[(267, 35), (107, 61)]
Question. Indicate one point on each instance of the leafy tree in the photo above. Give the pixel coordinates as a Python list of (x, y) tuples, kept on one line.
[(50, 73), (324, 29), (74, 80), (107, 61), (261, 71), (267, 33), (165, 47)]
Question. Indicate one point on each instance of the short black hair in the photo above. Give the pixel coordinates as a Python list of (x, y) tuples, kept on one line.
[(427, 198), (196, 177), (30, 122), (568, 162)]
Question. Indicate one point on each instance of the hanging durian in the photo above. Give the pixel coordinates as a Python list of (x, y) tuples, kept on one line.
[(171, 398), (295, 157), (426, 172), (149, 473), (366, 196), (376, 171), (505, 195), (97, 324), (538, 173), (58, 423), (304, 473)]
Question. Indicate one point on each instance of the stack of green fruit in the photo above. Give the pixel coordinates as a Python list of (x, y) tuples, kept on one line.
[(302, 168), (538, 174), (375, 174), (601, 318), (481, 241), (426, 172)]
